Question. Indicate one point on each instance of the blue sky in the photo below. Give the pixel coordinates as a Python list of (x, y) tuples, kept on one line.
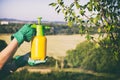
[(30, 9)]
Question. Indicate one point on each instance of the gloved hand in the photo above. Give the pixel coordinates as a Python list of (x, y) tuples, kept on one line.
[(24, 34)]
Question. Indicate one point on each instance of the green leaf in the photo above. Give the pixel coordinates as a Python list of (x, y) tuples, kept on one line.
[(65, 13), (82, 12), (53, 4), (73, 14), (106, 23), (108, 28), (99, 29), (96, 6), (56, 7), (58, 10), (95, 20), (89, 7), (81, 30), (77, 5), (69, 23), (59, 1), (116, 55), (97, 45), (88, 37), (71, 5)]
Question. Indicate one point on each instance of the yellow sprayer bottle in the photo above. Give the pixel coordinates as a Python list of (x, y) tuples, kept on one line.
[(39, 43)]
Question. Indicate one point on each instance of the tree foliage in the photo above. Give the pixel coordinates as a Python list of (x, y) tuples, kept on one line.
[(11, 28), (103, 14), (89, 57)]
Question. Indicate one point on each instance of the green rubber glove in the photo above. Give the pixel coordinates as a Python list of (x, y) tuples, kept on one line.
[(24, 34), (21, 61)]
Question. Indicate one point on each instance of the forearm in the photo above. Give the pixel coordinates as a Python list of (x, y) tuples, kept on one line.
[(8, 52), (24, 34)]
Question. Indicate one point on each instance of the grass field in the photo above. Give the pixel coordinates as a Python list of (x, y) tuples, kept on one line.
[(57, 45)]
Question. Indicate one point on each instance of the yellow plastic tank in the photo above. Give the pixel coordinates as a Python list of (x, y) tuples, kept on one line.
[(38, 49)]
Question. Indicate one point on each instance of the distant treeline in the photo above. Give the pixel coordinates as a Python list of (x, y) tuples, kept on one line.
[(11, 28), (55, 29)]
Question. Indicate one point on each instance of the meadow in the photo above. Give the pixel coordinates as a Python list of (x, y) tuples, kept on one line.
[(57, 45)]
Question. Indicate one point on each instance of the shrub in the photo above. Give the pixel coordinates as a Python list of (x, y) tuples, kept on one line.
[(87, 56), (76, 57)]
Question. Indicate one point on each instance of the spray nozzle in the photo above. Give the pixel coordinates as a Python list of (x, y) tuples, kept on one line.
[(39, 20), (40, 28)]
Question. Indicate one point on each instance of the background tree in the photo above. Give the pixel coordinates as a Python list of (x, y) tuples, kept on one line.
[(88, 57), (103, 15)]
